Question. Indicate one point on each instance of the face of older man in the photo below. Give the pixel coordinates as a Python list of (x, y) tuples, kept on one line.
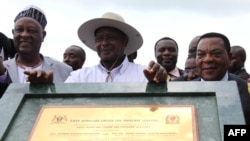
[(212, 59), (110, 43), (28, 36)]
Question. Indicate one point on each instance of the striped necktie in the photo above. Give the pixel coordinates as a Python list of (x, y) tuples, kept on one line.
[(169, 77)]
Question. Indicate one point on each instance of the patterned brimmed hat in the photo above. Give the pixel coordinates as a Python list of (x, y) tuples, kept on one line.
[(33, 12)]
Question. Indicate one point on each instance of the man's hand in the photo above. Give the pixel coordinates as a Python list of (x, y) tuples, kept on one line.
[(155, 72), (39, 76)]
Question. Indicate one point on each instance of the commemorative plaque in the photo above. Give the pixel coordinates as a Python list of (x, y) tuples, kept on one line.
[(116, 123)]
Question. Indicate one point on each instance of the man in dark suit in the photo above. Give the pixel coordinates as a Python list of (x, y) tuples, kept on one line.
[(237, 65), (166, 54), (213, 60)]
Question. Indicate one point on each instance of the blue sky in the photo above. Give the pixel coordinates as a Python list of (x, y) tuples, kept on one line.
[(179, 19)]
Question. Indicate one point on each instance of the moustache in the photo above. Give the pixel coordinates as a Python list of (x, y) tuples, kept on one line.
[(106, 48)]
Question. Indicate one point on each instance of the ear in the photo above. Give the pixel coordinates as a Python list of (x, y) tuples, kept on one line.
[(230, 56), (155, 51), (44, 34), (126, 41)]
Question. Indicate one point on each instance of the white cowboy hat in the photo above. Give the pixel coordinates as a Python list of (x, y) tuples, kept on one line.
[(86, 31)]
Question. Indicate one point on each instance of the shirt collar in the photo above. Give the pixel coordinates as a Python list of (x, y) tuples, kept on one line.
[(175, 72), (224, 78), (119, 69)]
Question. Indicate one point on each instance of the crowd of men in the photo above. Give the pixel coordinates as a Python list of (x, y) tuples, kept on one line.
[(210, 56)]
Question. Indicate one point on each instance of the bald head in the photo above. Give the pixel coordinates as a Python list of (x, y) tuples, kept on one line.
[(238, 58), (239, 51), (193, 45)]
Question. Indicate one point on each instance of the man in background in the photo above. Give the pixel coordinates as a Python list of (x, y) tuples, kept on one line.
[(7, 49), (190, 70), (193, 45), (166, 54), (237, 64), (132, 57), (74, 56)]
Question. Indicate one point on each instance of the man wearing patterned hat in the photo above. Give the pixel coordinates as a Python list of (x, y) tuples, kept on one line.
[(28, 35)]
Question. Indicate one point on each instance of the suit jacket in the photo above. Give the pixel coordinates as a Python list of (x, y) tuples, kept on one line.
[(61, 70), (243, 92), (181, 72), (181, 78), (242, 73)]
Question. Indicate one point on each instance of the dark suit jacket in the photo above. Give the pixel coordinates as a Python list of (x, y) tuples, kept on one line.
[(181, 78), (242, 73), (243, 92), (181, 72)]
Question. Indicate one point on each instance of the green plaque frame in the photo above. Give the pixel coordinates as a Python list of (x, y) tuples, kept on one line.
[(217, 103)]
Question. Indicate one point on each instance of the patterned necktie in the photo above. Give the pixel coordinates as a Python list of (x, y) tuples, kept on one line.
[(169, 77)]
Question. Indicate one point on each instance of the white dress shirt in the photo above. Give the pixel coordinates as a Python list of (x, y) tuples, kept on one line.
[(224, 78), (126, 72)]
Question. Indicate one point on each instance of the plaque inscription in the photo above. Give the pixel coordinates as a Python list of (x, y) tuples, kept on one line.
[(116, 123)]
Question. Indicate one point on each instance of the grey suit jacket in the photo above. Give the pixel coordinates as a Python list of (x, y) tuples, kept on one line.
[(60, 69)]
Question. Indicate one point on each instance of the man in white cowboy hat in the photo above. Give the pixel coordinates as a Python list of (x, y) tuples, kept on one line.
[(112, 39)]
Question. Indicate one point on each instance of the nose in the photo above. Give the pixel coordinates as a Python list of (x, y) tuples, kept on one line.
[(25, 33), (207, 58), (66, 59), (104, 42), (166, 52), (192, 73)]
